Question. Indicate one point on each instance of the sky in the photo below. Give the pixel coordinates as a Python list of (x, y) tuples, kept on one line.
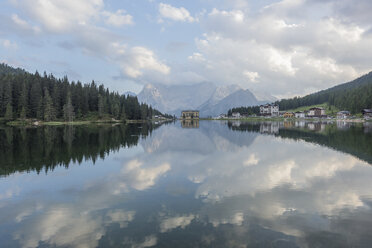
[(284, 48)]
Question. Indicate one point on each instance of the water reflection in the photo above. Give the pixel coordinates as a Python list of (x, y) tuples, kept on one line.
[(44, 148), (190, 123), (222, 185)]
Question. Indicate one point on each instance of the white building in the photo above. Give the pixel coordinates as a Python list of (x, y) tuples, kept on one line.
[(300, 114), (269, 110), (316, 112), (343, 114), (236, 115)]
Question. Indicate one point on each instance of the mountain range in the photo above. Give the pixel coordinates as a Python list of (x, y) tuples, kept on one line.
[(209, 99)]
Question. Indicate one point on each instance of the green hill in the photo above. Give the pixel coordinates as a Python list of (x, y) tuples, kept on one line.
[(353, 96)]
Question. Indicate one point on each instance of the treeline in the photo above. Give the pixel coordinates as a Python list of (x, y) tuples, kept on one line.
[(44, 97), (353, 96), (254, 110)]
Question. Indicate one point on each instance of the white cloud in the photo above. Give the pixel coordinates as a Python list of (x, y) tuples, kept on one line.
[(235, 15), (287, 52), (252, 160), (235, 219), (78, 20), (253, 76), (173, 222), (118, 19), (141, 178), (176, 14), (148, 242), (24, 25), (140, 59), (62, 227), (62, 15), (120, 216), (8, 44)]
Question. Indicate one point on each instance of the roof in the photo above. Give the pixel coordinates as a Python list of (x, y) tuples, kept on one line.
[(316, 108), (190, 110), (367, 111), (268, 105), (344, 112)]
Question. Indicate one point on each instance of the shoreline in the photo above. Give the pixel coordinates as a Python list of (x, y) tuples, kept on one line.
[(286, 119), (37, 123)]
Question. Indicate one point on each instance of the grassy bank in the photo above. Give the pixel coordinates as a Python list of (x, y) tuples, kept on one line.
[(255, 119), (33, 122), (30, 122), (329, 109)]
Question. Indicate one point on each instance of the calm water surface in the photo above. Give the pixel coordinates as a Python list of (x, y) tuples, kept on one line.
[(207, 184)]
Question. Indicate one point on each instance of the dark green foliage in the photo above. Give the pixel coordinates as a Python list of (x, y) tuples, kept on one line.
[(27, 95), (353, 96), (5, 69), (8, 112), (245, 111), (44, 148), (68, 109), (49, 114)]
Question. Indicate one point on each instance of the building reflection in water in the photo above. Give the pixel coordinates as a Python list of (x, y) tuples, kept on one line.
[(190, 123), (269, 127)]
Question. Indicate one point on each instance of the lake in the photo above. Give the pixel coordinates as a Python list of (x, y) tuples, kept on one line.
[(187, 184)]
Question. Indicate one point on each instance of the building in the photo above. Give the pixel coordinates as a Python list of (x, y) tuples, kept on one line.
[(288, 115), (269, 110), (190, 114), (367, 113), (300, 114), (235, 115), (343, 114), (316, 112)]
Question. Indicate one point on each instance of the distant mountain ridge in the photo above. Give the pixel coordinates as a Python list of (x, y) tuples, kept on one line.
[(209, 99), (174, 98), (238, 98)]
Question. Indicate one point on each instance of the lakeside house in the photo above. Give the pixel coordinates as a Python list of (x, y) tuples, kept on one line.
[(300, 114), (269, 110), (190, 114), (367, 113), (316, 112), (288, 115), (343, 114), (235, 115)]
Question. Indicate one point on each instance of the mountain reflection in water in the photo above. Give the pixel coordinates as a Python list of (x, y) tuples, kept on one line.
[(223, 184)]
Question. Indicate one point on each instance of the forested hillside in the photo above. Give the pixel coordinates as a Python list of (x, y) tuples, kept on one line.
[(44, 97), (353, 96)]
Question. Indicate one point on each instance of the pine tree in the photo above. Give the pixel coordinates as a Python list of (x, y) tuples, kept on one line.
[(9, 112), (40, 110), (122, 116), (68, 109), (49, 113), (22, 103), (101, 106), (7, 95), (35, 99), (22, 114)]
